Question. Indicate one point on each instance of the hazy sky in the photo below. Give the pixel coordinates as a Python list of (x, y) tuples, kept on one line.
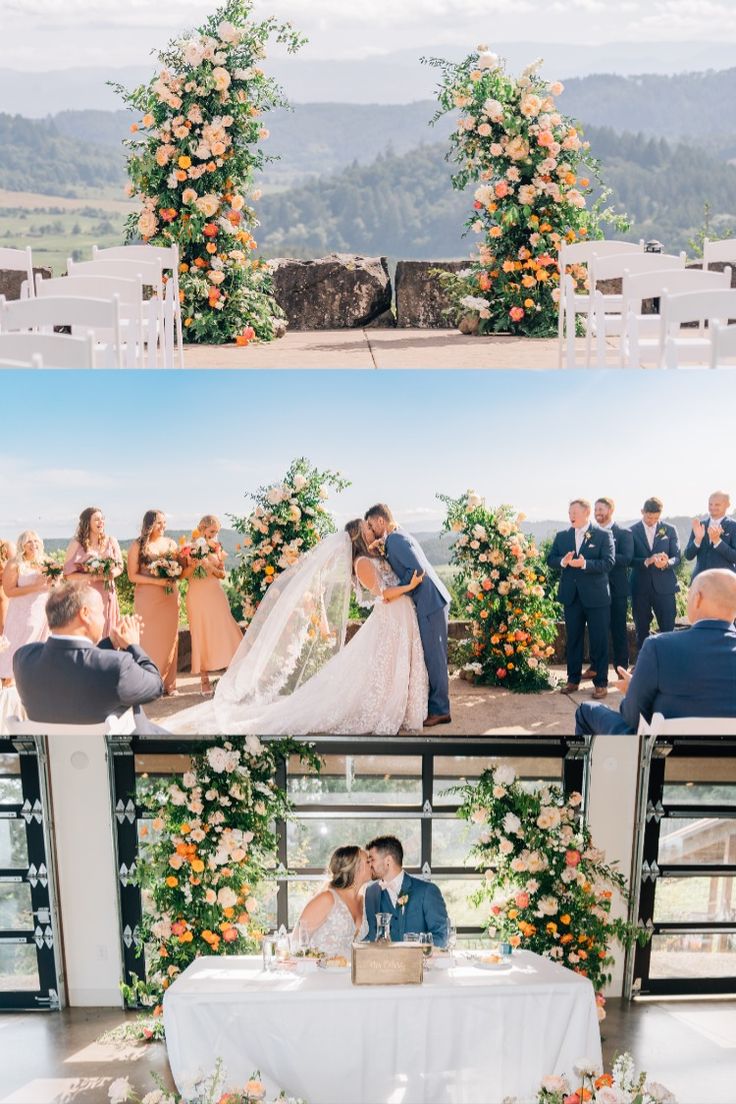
[(40, 34), (190, 443)]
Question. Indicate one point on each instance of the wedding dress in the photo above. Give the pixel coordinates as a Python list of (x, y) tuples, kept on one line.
[(337, 932), (293, 673)]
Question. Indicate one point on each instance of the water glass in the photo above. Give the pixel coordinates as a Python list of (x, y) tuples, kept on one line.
[(268, 948)]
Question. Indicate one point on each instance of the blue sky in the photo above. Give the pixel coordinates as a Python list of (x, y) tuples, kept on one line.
[(190, 443)]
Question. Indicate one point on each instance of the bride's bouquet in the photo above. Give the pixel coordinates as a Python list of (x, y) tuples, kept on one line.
[(166, 567), (101, 565), (52, 569)]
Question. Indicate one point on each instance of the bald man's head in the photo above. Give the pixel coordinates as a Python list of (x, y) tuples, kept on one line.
[(712, 595)]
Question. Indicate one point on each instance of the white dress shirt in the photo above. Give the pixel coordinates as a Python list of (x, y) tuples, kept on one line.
[(712, 523), (651, 532), (393, 888), (579, 535)]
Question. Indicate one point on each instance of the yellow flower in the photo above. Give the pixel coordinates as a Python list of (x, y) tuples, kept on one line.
[(184, 162)]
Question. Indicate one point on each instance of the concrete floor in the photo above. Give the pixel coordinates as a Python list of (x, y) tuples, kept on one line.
[(54, 1058), (390, 348), (476, 710)]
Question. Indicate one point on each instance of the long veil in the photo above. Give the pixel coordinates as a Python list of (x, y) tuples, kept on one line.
[(299, 626)]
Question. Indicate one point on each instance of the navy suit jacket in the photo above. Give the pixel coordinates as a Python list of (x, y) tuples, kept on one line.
[(707, 557), (618, 577), (405, 556), (76, 682), (691, 673), (425, 911), (648, 579), (590, 583)]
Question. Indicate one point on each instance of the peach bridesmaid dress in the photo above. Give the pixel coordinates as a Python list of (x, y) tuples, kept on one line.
[(160, 613), (105, 588), (216, 634)]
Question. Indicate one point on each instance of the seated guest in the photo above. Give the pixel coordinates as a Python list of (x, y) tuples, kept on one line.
[(712, 542), (584, 555), (76, 677), (618, 581), (679, 674), (653, 580)]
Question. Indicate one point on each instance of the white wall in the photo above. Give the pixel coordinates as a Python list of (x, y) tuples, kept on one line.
[(611, 816), (86, 869)]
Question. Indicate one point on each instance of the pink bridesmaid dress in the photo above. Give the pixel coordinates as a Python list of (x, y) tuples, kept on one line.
[(105, 588), (25, 622)]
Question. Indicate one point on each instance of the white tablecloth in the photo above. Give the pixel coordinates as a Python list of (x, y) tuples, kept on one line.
[(466, 1036)]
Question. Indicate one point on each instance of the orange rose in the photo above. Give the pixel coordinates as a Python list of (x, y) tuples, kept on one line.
[(171, 881)]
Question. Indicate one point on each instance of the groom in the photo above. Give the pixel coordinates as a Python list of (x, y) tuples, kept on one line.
[(414, 905), (432, 602)]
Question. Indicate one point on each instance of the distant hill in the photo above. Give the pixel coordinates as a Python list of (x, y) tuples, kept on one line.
[(36, 156)]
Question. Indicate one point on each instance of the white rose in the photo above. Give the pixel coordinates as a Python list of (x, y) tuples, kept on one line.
[(193, 53), (555, 1084), (504, 775), (208, 205), (487, 60), (253, 746), (189, 780), (300, 482), (119, 1091), (511, 823), (493, 109), (221, 79), (227, 897), (229, 34), (474, 500)]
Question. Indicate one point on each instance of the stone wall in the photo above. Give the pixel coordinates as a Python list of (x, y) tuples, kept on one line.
[(10, 282)]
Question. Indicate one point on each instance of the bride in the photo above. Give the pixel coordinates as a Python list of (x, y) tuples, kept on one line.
[(295, 675), (335, 918)]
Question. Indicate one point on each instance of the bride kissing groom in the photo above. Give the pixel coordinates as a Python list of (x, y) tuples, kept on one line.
[(296, 674)]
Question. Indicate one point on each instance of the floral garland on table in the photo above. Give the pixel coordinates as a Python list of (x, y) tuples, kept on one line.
[(191, 165), (289, 518), (208, 862), (621, 1086), (533, 173), (504, 585), (202, 1090), (548, 887)]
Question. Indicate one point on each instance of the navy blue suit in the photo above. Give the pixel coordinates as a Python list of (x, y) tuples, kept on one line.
[(707, 556), (432, 601), (653, 589), (425, 911), (586, 597), (691, 673), (618, 580), (78, 682)]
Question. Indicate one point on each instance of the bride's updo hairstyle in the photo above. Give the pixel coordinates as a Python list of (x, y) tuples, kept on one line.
[(343, 866), (354, 530)]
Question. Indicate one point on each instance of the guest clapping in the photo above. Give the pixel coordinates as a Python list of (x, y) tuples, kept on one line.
[(585, 555), (156, 595), (653, 580), (712, 541), (26, 587), (76, 676), (214, 631), (618, 581), (691, 673), (7, 553), (95, 557)]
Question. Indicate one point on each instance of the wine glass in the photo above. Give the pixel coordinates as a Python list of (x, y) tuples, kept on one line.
[(451, 940), (427, 941)]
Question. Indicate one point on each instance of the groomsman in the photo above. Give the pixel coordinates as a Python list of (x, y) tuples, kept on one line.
[(618, 581), (653, 580), (584, 555), (712, 541)]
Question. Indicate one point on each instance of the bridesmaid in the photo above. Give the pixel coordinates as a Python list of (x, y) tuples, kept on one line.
[(215, 632), (27, 589), (90, 539), (7, 553), (159, 610)]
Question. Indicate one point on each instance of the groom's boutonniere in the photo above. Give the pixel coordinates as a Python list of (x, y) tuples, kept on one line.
[(379, 547), (589, 536), (661, 532), (403, 901)]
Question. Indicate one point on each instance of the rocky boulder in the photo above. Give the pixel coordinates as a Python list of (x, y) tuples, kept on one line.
[(10, 281), (420, 301), (341, 291)]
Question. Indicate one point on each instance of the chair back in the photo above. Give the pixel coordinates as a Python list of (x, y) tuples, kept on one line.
[(53, 350), (638, 286), (723, 344), (613, 265), (719, 251), (687, 726)]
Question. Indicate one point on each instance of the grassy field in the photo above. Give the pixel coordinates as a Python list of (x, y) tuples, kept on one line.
[(58, 228)]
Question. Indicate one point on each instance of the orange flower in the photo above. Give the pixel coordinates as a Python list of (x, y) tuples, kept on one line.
[(210, 230), (246, 336), (197, 866), (495, 232), (185, 162), (566, 938), (171, 881), (187, 937), (565, 918)]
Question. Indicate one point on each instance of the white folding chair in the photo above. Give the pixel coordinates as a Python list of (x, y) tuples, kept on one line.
[(607, 311), (150, 272), (687, 726), (111, 726), (723, 346), (99, 316), (572, 302), (129, 294), (642, 337), (168, 257), (52, 350), (36, 361), (693, 346), (719, 252), (19, 260)]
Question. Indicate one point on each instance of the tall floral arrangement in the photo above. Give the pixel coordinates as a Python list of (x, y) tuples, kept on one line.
[(207, 861), (533, 174), (547, 886), (192, 158), (504, 583), (289, 518)]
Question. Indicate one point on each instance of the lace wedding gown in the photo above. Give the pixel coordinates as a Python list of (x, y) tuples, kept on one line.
[(376, 684), (337, 932)]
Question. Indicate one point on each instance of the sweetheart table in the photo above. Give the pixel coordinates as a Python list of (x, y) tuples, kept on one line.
[(466, 1036)]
